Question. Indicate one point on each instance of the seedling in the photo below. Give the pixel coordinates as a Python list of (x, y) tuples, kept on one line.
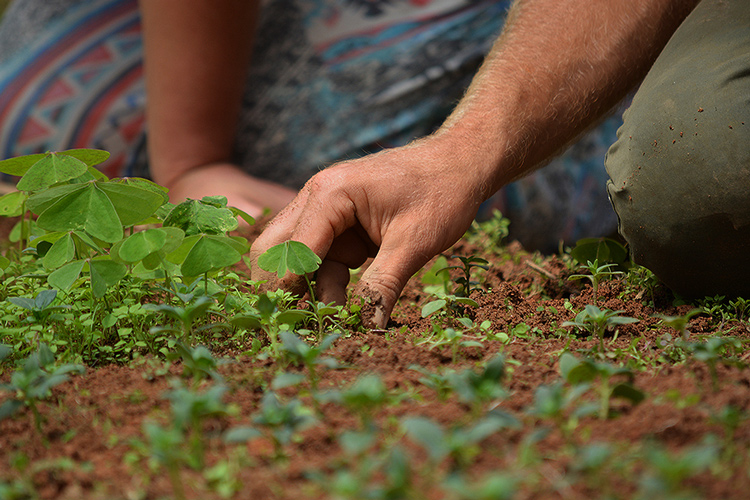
[(282, 421), (297, 258), (465, 284), (185, 316), (667, 473), (40, 306), (493, 231), (455, 339), (597, 321), (554, 401), (439, 382), (363, 397), (33, 383), (495, 486), (165, 448), (710, 352), (479, 388), (679, 323), (197, 362), (596, 274), (309, 356), (460, 444), (268, 317), (584, 371)]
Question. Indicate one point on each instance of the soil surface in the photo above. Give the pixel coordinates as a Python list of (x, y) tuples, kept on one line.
[(93, 432)]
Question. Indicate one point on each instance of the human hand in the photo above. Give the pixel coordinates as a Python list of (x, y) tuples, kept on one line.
[(401, 206), (249, 194)]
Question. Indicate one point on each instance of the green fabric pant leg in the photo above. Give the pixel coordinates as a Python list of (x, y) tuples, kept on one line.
[(680, 168)]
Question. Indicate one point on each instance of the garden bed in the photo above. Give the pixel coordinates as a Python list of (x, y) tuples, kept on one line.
[(497, 386)]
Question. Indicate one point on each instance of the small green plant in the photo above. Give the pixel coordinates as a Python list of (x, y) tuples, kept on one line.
[(596, 274), (555, 402), (310, 356), (164, 448), (667, 472), (40, 306), (679, 323), (459, 444), (297, 258), (269, 316), (711, 352), (479, 388), (465, 285), (439, 382), (597, 321), (185, 316), (282, 421), (491, 232), (585, 371), (33, 383), (455, 339), (197, 362), (190, 409)]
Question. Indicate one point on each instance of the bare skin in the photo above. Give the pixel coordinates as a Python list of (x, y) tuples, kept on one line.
[(557, 68), (195, 61)]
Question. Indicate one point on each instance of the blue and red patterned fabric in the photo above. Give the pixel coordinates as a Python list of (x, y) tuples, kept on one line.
[(330, 80)]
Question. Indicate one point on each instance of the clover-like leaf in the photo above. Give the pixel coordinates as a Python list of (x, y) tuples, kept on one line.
[(202, 253), (209, 217), (11, 204), (51, 169), (291, 256)]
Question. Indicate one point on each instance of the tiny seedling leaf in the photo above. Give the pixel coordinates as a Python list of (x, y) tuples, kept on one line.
[(291, 256)]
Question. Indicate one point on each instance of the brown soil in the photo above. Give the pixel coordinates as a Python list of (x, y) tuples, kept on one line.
[(93, 422)]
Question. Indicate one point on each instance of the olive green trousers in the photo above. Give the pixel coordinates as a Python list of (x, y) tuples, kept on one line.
[(680, 168)]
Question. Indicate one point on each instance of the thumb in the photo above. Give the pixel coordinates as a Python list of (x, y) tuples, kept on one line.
[(382, 282)]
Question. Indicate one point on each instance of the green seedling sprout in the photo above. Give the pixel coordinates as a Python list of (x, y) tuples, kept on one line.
[(465, 285), (585, 371), (710, 352), (439, 382), (596, 274), (490, 233), (363, 397), (479, 388), (190, 409), (282, 421), (267, 317), (554, 402), (185, 316), (33, 383), (310, 356), (296, 258), (40, 306), (460, 444), (165, 448), (679, 323), (667, 473), (197, 362), (495, 486), (455, 339), (597, 321)]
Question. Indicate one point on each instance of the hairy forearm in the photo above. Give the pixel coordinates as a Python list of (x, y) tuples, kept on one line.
[(195, 58), (558, 67)]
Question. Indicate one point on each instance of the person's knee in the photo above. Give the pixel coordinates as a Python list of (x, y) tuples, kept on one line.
[(680, 168)]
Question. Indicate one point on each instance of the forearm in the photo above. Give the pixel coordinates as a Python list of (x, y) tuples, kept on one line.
[(195, 59), (556, 69)]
